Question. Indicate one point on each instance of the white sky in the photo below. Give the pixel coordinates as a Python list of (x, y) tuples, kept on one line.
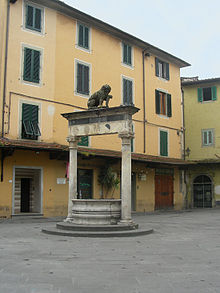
[(188, 29)]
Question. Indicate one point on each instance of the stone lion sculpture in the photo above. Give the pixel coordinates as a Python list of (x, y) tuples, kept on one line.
[(96, 100)]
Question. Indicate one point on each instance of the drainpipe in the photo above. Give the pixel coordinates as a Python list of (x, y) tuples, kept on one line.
[(5, 65), (183, 148), (144, 106)]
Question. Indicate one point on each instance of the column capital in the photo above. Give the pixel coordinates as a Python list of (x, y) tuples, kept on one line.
[(126, 134), (72, 138)]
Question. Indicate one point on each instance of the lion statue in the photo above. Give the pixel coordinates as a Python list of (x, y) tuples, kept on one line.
[(96, 100)]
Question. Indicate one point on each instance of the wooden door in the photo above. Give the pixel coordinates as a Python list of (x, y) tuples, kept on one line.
[(163, 191), (84, 185)]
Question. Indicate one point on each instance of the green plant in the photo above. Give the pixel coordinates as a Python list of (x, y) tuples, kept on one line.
[(108, 180)]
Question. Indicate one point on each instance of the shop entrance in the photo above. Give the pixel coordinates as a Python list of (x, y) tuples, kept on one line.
[(84, 184)]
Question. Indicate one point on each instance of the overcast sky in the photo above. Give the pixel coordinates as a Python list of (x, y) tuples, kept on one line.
[(188, 29)]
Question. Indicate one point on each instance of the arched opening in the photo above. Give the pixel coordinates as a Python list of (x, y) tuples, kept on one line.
[(202, 192)]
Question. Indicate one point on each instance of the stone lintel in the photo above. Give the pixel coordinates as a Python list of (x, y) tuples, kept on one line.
[(92, 114)]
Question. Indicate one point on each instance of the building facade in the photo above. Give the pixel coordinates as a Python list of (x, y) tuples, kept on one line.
[(202, 141), (53, 57)]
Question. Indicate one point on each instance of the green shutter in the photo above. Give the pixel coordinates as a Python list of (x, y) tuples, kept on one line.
[(30, 128), (125, 92), (86, 80), (80, 36), (29, 16), (84, 141), (27, 64), (200, 95), (129, 55), (163, 143), (169, 106), (125, 57), (86, 37), (167, 71), (79, 78), (35, 66), (156, 67), (157, 101), (214, 93), (37, 20), (130, 92)]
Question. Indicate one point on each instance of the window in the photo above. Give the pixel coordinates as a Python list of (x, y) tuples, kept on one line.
[(84, 141), (127, 54), (33, 17), (30, 128), (127, 91), (162, 69), (163, 143), (31, 70), (83, 36), (207, 94), (82, 82), (207, 137), (163, 103)]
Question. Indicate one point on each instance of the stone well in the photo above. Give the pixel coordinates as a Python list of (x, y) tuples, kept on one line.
[(96, 211)]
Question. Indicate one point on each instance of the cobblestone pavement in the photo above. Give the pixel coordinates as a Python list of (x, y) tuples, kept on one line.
[(181, 256)]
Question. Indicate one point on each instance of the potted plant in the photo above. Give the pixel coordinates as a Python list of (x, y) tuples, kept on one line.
[(108, 180)]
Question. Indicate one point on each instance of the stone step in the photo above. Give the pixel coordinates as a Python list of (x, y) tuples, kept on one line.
[(77, 227), (96, 234)]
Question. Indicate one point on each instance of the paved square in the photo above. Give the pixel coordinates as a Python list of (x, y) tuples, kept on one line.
[(181, 256)]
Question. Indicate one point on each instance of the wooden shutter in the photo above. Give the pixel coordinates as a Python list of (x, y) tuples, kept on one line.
[(169, 106), (35, 66), (27, 64), (129, 55), (37, 24), (157, 101), (80, 36), (125, 92), (156, 67), (214, 93), (200, 95), (30, 127), (86, 37), (163, 143), (86, 80), (167, 71), (125, 56), (130, 92), (29, 16), (79, 78)]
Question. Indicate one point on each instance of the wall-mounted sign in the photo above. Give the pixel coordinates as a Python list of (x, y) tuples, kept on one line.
[(61, 180)]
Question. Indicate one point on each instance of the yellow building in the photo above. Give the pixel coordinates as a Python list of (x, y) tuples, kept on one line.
[(202, 140), (53, 57)]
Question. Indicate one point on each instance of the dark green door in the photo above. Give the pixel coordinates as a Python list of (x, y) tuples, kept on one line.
[(25, 195), (84, 184), (133, 192)]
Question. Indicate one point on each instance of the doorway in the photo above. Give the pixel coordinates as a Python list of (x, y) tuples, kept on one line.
[(202, 192), (84, 184), (163, 191), (27, 191)]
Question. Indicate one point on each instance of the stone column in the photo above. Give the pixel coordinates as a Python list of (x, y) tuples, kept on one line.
[(72, 174), (126, 177)]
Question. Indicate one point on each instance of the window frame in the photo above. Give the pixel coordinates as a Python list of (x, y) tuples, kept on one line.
[(123, 77), (200, 94), (212, 131), (165, 73), (40, 50), (77, 61), (127, 64), (29, 28), (168, 104), (83, 48), (159, 144), (21, 120)]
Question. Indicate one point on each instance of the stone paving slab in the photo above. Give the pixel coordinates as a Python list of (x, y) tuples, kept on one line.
[(181, 256)]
